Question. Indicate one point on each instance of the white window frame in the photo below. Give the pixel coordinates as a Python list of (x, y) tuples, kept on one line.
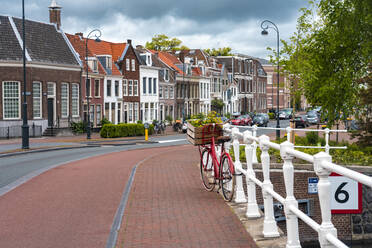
[(135, 87), (166, 75), (109, 90), (98, 113), (35, 98), (166, 92), (75, 100), (130, 112), (116, 88), (171, 92), (133, 65), (99, 88), (19, 100), (136, 112), (130, 87), (64, 100), (127, 64), (125, 87), (154, 84), (160, 91)]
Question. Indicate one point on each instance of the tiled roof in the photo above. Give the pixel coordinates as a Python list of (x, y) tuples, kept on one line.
[(170, 60), (43, 42)]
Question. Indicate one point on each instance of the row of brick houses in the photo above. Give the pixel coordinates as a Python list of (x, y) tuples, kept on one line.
[(125, 83)]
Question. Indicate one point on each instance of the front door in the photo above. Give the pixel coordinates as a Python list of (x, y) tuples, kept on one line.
[(50, 112)]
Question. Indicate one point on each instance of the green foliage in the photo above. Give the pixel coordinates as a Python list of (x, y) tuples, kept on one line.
[(330, 52), (209, 119), (78, 127), (104, 121), (228, 115), (124, 130), (217, 105), (222, 51), (139, 122), (312, 138), (161, 42), (271, 116), (169, 118)]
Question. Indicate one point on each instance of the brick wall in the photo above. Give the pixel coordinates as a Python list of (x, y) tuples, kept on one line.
[(43, 76)]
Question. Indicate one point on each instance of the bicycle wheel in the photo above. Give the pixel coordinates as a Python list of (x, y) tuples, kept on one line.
[(206, 170), (227, 180)]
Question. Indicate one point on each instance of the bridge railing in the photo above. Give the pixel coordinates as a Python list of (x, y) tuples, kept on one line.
[(323, 166)]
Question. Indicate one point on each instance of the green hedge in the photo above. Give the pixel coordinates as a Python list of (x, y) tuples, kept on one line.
[(124, 130)]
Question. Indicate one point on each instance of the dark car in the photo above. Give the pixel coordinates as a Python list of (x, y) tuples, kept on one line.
[(301, 121), (260, 120)]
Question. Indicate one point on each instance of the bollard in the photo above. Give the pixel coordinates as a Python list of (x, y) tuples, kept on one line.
[(252, 207), (270, 227), (327, 140), (146, 134), (239, 191)]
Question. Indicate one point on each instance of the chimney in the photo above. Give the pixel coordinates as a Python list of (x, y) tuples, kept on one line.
[(80, 34), (129, 42), (55, 14)]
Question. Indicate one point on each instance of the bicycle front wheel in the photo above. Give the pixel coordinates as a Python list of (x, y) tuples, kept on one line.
[(206, 170), (227, 179)]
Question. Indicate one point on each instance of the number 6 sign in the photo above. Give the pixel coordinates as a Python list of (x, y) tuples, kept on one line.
[(346, 195)]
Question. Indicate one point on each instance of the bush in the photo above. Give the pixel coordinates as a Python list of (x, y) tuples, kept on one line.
[(124, 130), (78, 127), (312, 138), (169, 118), (104, 121), (271, 116)]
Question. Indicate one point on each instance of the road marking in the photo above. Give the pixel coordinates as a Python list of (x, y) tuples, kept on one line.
[(168, 141)]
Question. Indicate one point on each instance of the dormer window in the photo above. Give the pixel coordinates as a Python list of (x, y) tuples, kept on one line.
[(108, 62), (93, 64)]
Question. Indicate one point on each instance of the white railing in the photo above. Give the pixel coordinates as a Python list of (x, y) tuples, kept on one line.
[(323, 166)]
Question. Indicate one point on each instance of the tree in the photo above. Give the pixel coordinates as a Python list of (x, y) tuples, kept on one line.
[(217, 105), (330, 52), (161, 42), (222, 51)]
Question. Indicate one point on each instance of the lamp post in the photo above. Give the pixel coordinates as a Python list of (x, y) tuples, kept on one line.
[(25, 128), (265, 25), (87, 81)]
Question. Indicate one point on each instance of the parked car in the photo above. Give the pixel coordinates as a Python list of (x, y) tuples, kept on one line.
[(286, 113), (301, 121), (246, 120), (261, 120), (237, 121), (312, 117)]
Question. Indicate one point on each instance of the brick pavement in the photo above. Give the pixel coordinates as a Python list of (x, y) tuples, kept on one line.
[(168, 207)]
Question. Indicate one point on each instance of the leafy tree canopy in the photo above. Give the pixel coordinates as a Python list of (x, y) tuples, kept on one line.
[(161, 42), (222, 51), (330, 53)]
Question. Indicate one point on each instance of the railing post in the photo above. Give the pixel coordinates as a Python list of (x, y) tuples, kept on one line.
[(252, 207), (293, 240), (239, 191), (288, 129), (327, 140), (324, 190), (254, 158), (270, 227)]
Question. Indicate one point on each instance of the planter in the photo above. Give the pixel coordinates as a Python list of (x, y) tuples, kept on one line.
[(203, 135)]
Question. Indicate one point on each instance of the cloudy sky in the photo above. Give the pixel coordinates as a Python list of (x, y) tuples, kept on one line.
[(198, 23)]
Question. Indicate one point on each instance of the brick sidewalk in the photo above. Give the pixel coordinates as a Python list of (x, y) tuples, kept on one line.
[(168, 207)]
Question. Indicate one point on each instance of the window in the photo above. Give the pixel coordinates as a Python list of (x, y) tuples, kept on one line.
[(144, 85), (108, 88), (130, 112), (135, 88), (171, 92), (98, 114), (91, 113), (64, 100), (136, 111), (133, 65), (165, 92), (75, 100), (96, 88), (11, 100), (108, 62), (95, 65), (150, 82), (154, 89), (88, 88), (127, 65), (116, 88), (130, 88), (160, 91), (36, 100), (166, 75), (125, 87)]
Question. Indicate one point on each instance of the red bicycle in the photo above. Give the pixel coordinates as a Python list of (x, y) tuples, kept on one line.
[(217, 171)]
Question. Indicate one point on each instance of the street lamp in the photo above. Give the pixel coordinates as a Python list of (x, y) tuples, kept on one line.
[(87, 82), (25, 127), (265, 25)]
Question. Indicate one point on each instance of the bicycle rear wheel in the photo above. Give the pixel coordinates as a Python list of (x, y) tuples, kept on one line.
[(206, 170), (227, 180)]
